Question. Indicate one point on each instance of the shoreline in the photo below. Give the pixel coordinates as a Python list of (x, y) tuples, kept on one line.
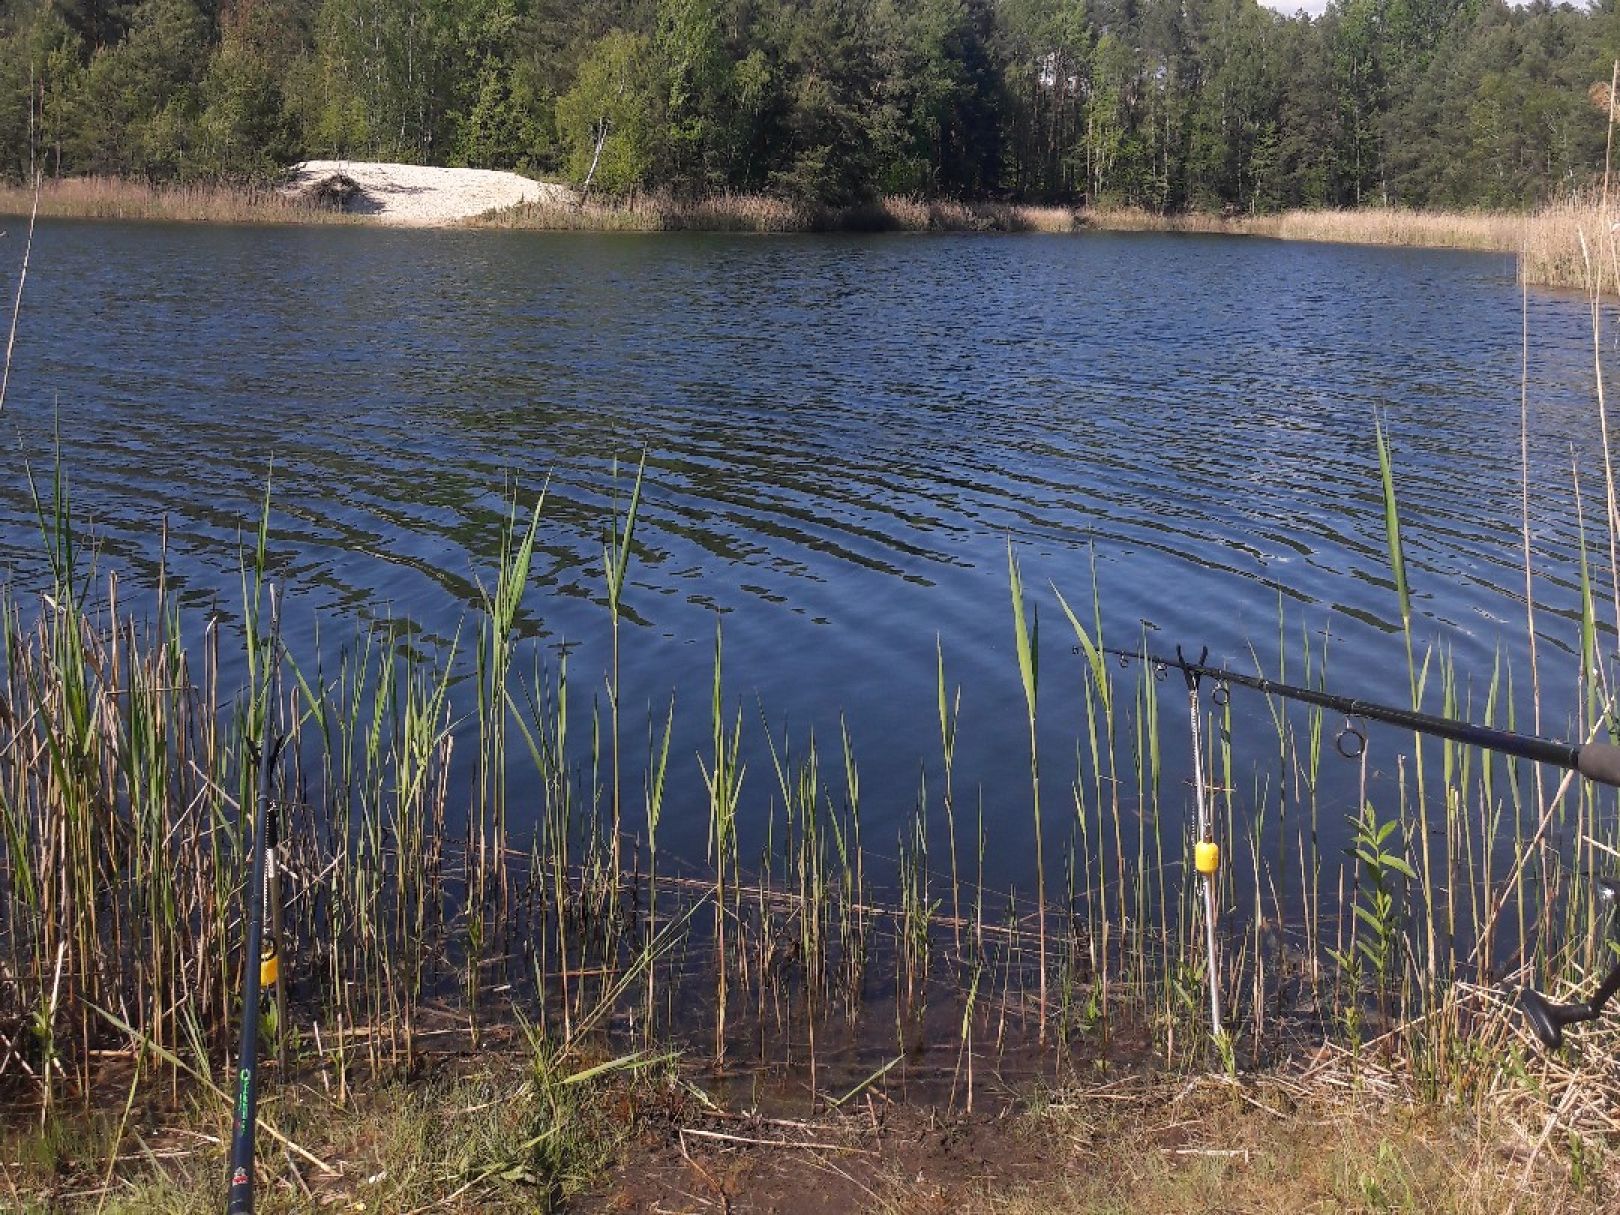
[(557, 1126), (1548, 241)]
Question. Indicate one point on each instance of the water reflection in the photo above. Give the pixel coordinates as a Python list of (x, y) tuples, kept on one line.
[(841, 435)]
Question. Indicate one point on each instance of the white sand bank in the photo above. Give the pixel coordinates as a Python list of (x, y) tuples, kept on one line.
[(418, 195)]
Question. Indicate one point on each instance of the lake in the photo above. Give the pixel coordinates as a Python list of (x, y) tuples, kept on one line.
[(842, 434)]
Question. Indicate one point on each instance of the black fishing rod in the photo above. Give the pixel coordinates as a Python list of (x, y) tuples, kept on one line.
[(1595, 761), (1598, 762), (258, 966)]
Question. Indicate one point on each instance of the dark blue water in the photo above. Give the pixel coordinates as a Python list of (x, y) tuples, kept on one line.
[(842, 435)]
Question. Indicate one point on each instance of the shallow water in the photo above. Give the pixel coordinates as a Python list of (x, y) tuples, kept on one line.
[(842, 433)]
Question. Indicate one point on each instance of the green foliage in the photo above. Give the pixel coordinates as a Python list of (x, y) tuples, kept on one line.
[(138, 102), (243, 128), (823, 139), (615, 103), (1218, 105), (699, 90), (938, 126), (509, 123), (1376, 941)]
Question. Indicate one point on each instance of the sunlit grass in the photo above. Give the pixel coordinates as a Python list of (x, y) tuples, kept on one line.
[(1548, 240), (764, 213)]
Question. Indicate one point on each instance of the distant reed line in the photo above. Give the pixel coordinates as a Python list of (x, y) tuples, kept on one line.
[(118, 198), (1549, 240)]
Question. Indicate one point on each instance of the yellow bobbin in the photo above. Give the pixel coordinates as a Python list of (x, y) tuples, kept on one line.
[(269, 970), (1207, 857)]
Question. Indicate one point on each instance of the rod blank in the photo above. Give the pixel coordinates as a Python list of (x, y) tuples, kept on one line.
[(1598, 762), (239, 1196)]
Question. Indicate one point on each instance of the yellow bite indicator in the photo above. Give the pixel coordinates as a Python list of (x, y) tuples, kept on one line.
[(1207, 857)]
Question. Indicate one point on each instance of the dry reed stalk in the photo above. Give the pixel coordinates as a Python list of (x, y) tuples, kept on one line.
[(16, 303), (765, 214), (1548, 240), (116, 198)]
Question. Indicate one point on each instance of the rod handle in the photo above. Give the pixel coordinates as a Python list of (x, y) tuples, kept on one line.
[(1599, 762), (1546, 1019)]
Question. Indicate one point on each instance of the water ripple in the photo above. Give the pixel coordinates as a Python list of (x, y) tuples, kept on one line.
[(841, 434)]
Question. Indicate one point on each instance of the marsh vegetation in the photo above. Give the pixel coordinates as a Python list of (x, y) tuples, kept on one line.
[(417, 914)]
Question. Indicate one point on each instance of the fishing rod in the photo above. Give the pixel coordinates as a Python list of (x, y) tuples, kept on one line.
[(1598, 762), (259, 965)]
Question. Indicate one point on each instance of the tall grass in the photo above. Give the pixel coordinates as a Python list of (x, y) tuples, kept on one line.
[(1486, 231), (124, 765), (615, 569), (1026, 644), (120, 198), (1547, 241), (765, 213)]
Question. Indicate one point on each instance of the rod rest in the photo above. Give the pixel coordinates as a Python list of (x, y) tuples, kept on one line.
[(1547, 1020)]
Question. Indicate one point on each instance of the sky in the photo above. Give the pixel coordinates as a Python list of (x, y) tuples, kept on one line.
[(1313, 7)]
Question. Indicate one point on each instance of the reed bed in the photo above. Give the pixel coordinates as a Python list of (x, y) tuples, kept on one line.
[(1141, 219), (116, 198), (419, 906), (119, 198), (1565, 243), (1548, 241), (1491, 231), (763, 213), (651, 213), (923, 215)]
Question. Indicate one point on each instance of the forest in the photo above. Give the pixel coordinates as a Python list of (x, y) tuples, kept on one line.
[(1169, 105)]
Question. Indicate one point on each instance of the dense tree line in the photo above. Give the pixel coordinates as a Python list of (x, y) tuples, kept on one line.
[(1168, 104)]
